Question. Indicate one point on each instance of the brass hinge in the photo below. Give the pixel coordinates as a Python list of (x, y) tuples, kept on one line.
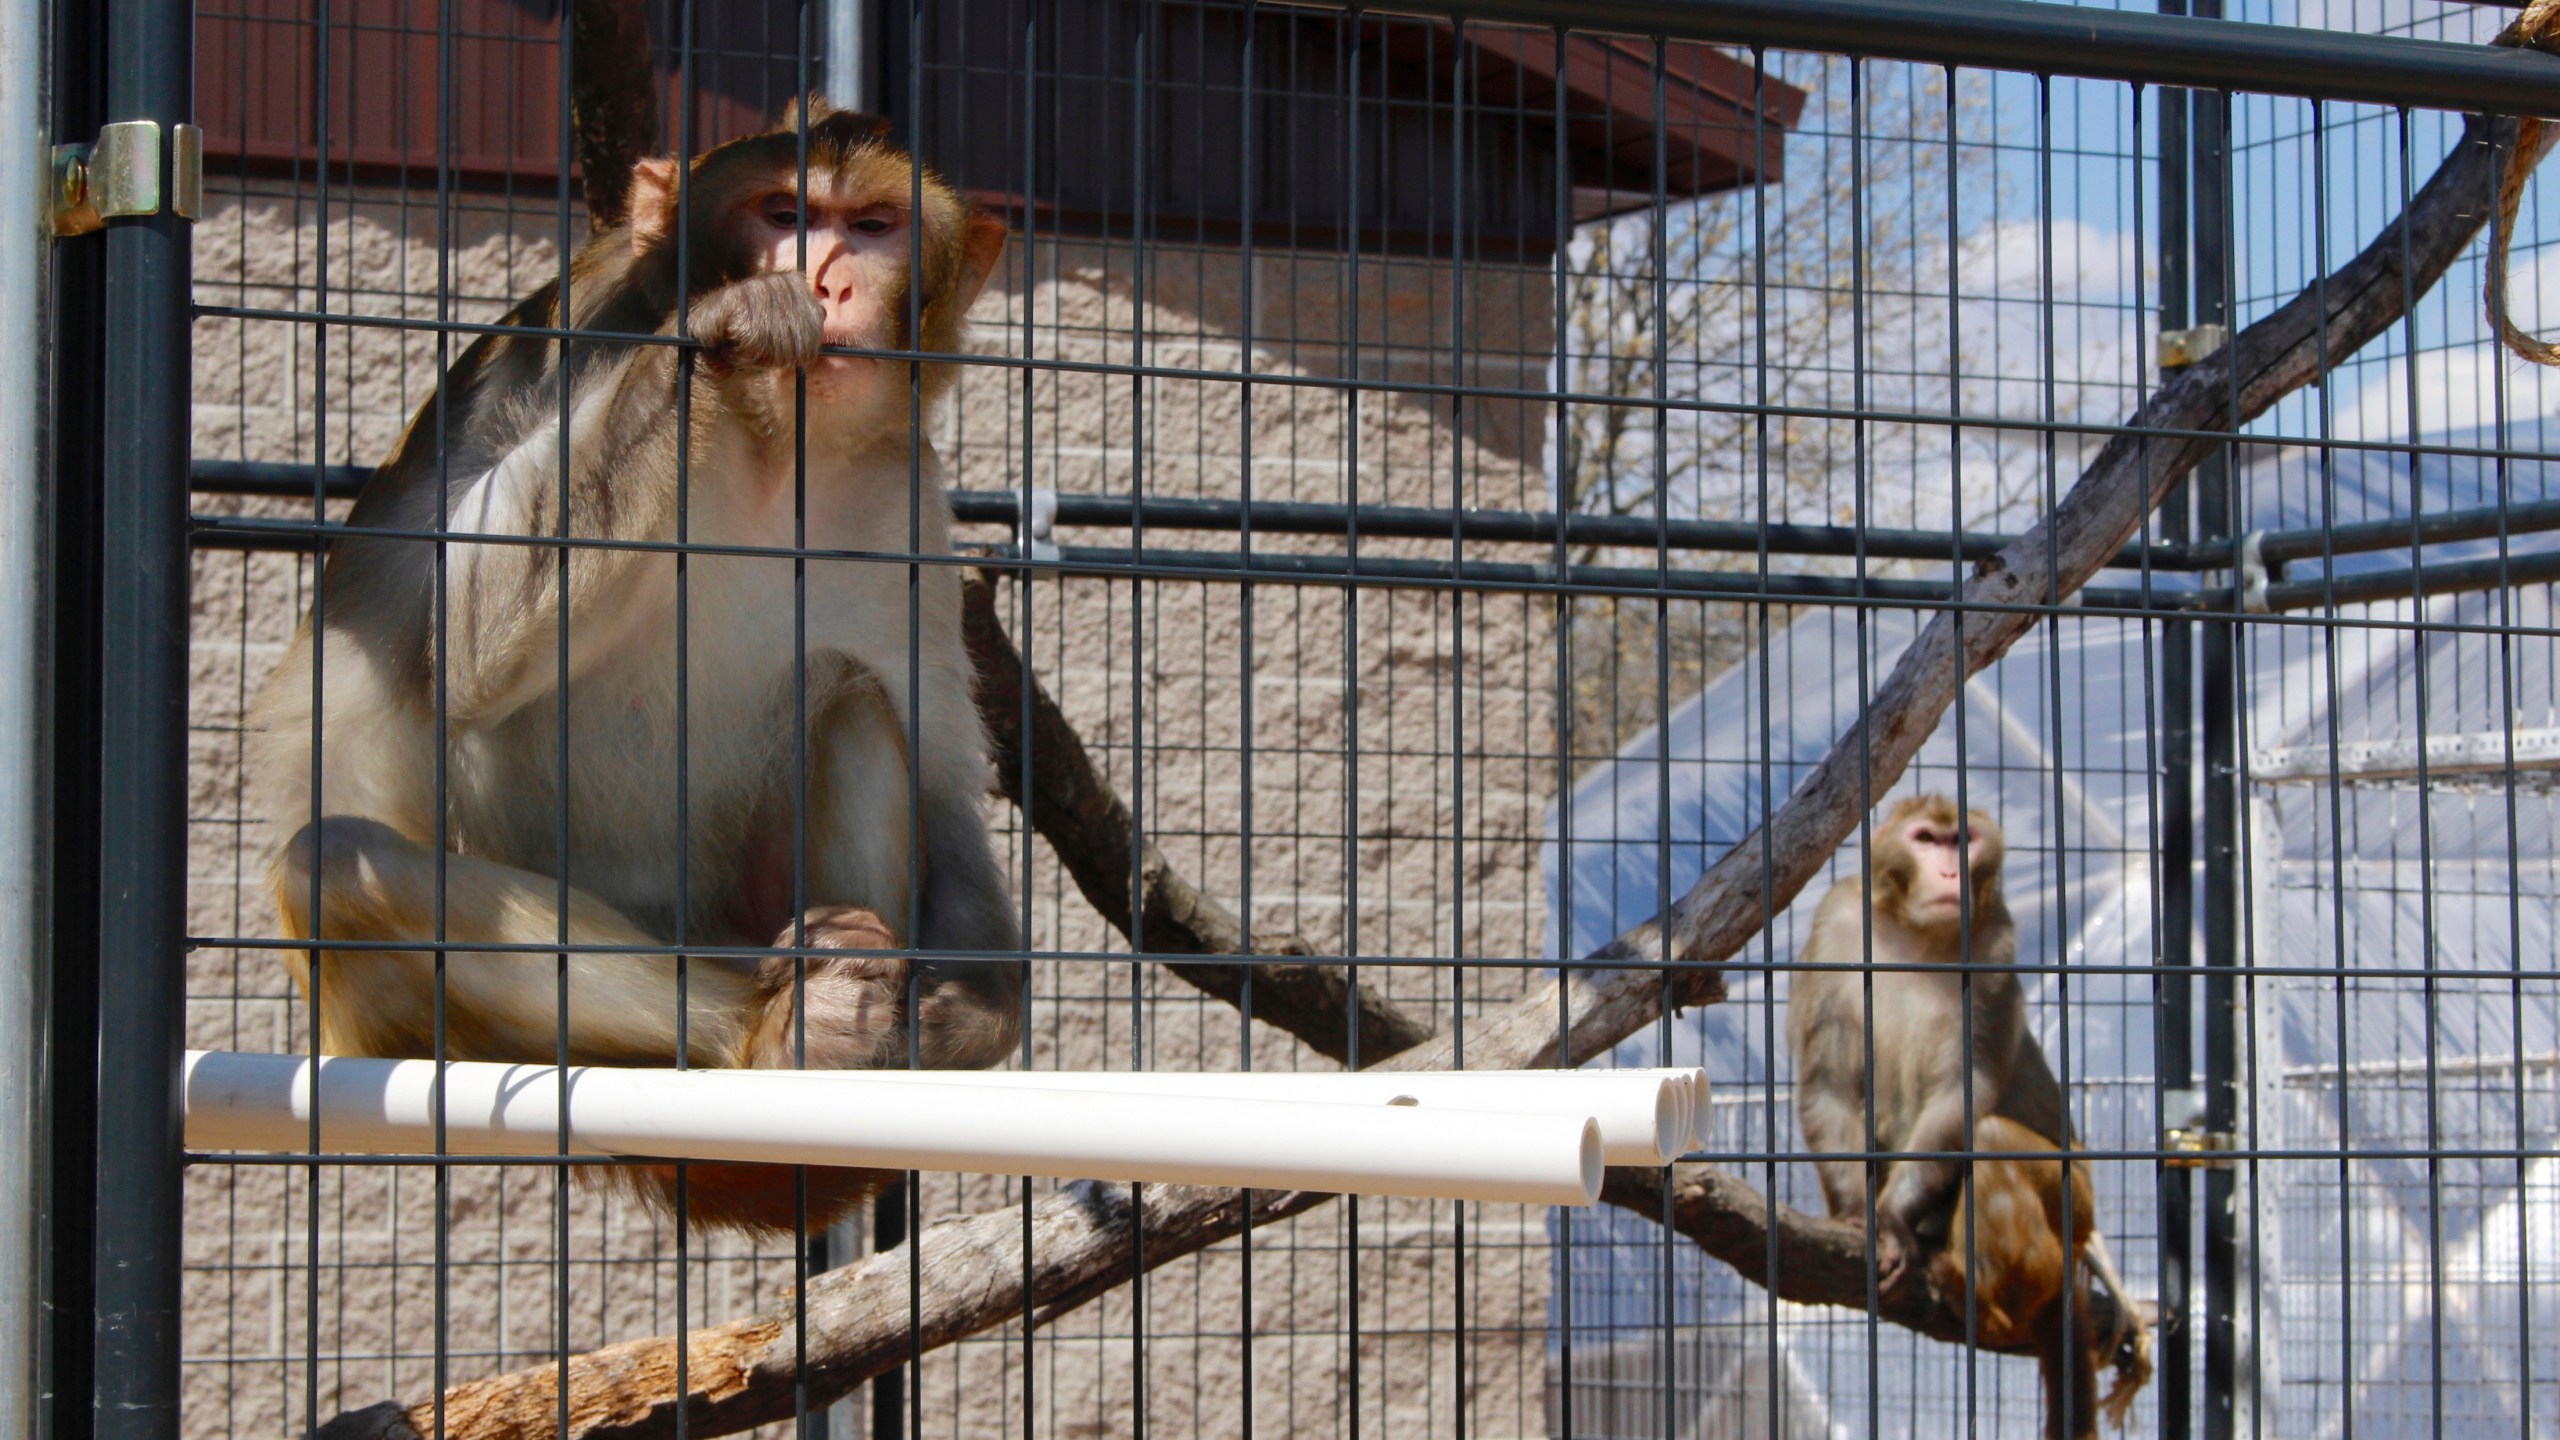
[(2182, 348), (120, 175)]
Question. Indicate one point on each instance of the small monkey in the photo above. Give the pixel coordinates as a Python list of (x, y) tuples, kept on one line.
[(614, 757), (1936, 879), (2009, 1263)]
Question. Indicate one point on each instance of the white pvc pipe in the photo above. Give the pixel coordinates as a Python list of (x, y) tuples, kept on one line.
[(264, 1102), (1647, 1117)]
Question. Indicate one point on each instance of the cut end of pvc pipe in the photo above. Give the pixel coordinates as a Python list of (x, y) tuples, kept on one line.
[(1670, 1122)]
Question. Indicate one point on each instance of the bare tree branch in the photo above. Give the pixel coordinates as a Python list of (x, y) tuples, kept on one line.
[(1087, 1238), (1818, 1260), (613, 102), (1088, 825)]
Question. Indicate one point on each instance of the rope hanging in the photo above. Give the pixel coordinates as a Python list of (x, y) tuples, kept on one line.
[(2538, 28)]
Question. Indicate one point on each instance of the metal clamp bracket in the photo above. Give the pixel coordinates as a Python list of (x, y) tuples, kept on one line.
[(1040, 523), (2199, 1149), (2190, 1142), (2253, 575), (120, 175), (2182, 348)]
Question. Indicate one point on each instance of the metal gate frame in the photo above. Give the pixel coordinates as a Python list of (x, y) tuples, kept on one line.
[(123, 317)]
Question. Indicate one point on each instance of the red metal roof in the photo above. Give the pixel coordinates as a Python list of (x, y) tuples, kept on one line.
[(1716, 124), (1722, 123)]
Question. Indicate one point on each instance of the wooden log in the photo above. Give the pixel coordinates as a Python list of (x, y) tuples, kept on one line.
[(742, 1374), (1085, 1240)]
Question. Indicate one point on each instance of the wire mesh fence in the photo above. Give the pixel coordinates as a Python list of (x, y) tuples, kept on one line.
[(1425, 492)]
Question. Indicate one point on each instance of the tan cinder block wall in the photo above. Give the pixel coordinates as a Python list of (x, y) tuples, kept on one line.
[(1434, 708)]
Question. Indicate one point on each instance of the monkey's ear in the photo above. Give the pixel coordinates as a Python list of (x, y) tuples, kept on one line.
[(653, 202), (979, 251)]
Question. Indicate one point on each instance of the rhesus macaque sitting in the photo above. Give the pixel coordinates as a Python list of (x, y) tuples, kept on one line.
[(2000, 1248), (613, 756)]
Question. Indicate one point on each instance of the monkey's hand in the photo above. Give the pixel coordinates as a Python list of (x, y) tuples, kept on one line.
[(1897, 1254), (852, 1003), (762, 322)]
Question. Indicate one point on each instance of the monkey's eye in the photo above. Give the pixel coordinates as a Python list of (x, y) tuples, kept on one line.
[(784, 214), (872, 225)]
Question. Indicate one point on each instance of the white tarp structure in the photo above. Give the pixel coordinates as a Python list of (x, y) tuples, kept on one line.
[(2388, 1020)]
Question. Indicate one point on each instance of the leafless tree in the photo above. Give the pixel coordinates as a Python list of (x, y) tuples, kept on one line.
[(1877, 275)]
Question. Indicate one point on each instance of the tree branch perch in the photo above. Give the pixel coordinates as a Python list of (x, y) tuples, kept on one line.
[(1088, 825)]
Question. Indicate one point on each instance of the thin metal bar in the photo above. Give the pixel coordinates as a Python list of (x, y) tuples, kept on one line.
[(1964, 778), (1142, 165), (229, 532), (1863, 661), (1417, 389), (1565, 612), (2430, 1013), (2219, 677), (77, 439), (2526, 1306), (2074, 1276), (688, 131), (2064, 40), (2331, 693), (323, 93), (1026, 634), (2174, 992), (1351, 859), (808, 1251), (441, 1363), (1764, 770), (1403, 962), (908, 1197), (563, 1272), (1245, 731), (1659, 240), (1462, 1334), (2276, 548)]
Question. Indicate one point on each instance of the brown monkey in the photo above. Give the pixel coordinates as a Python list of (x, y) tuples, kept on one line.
[(1936, 879), (2009, 1263), (682, 822)]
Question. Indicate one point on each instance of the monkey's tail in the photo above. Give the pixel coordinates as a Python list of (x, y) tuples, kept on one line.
[(2129, 1335)]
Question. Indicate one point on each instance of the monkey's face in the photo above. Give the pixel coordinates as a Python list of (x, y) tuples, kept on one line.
[(1927, 857), (854, 251), (892, 257), (1933, 895)]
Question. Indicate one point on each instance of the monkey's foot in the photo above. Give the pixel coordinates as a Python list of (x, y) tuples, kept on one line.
[(1897, 1251), (843, 1012)]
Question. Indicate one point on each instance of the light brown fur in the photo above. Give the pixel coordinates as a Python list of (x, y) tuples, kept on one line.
[(345, 737), (1936, 900), (2006, 1260)]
